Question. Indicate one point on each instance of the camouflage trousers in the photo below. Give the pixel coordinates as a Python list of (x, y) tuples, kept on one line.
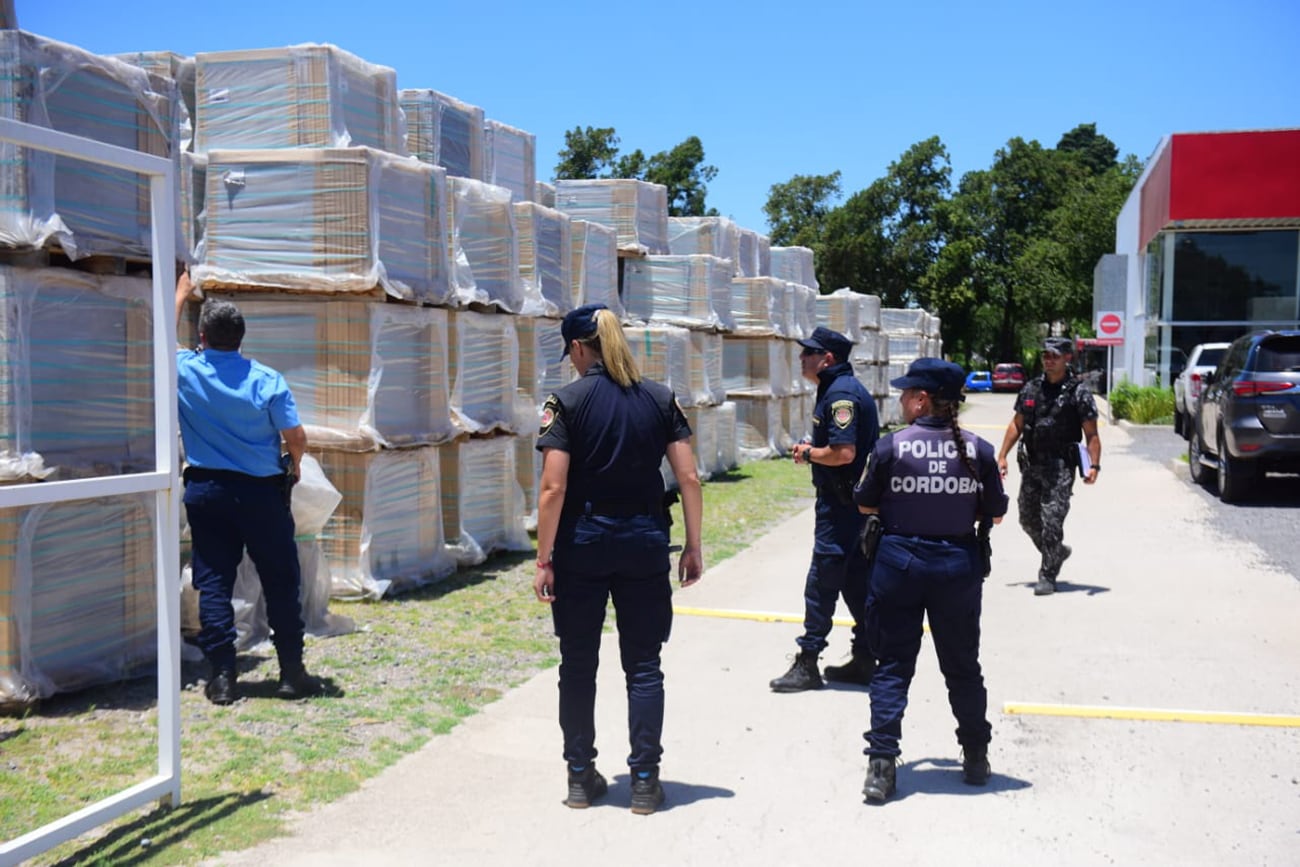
[(1044, 502)]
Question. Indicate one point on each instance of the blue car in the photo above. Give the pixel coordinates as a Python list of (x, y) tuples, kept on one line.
[(979, 380)]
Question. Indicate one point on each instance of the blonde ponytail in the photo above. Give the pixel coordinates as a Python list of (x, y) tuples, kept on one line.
[(612, 347)]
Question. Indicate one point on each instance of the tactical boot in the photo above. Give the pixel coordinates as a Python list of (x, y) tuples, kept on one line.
[(880, 782), (221, 687), (647, 792), (857, 670), (585, 786), (296, 683), (803, 674), (1044, 587), (975, 765)]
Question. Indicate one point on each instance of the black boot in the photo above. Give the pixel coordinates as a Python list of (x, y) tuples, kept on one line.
[(975, 765), (881, 779), (857, 670), (221, 687), (803, 674), (585, 786), (647, 792), (296, 683)]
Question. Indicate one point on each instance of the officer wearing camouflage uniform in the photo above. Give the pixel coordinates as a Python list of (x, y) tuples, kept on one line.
[(1053, 411), (845, 427)]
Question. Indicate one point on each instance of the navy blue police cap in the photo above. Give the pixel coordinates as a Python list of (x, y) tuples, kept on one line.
[(1058, 346), (579, 324), (943, 379), (825, 340)]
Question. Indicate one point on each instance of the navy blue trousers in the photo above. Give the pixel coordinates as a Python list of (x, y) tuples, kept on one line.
[(227, 516), (915, 578), (625, 560), (836, 571)]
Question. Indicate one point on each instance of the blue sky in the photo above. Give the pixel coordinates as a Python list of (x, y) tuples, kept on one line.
[(777, 89)]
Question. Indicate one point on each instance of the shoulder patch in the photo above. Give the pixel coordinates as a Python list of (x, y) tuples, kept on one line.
[(550, 410), (842, 413)]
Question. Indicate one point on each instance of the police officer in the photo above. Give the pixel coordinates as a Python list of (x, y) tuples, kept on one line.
[(1053, 410), (845, 427), (602, 532), (233, 414), (929, 483)]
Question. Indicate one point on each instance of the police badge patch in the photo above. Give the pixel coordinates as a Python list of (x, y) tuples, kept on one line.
[(842, 413), (548, 413)]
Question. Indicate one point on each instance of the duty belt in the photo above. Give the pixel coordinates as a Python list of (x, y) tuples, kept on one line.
[(615, 509)]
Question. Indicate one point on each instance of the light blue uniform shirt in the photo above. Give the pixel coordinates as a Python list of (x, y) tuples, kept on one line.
[(232, 410)]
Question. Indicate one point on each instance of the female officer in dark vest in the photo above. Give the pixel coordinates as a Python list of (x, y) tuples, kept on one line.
[(602, 532), (929, 483)]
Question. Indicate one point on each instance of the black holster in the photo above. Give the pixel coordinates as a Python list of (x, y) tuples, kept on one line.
[(985, 546), (869, 539)]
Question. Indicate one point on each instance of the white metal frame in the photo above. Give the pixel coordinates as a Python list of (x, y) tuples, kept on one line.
[(165, 786)]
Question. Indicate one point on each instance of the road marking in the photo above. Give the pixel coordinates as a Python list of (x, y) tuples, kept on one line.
[(1152, 714), (760, 616)]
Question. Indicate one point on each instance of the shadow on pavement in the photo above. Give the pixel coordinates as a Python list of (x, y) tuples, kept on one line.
[(930, 776), (1065, 587), (676, 794)]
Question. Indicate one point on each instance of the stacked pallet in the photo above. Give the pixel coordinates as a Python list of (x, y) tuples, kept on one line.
[(857, 316)]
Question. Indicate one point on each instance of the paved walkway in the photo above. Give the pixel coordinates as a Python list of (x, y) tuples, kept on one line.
[(1157, 612)]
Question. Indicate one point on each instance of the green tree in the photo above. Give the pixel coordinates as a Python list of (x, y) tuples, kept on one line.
[(588, 153), (1096, 152), (797, 209), (682, 171)]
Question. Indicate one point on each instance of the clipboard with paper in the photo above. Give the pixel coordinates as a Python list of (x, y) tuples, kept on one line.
[(1085, 462)]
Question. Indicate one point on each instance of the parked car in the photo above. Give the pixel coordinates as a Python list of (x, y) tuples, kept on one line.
[(979, 380), (1008, 377), (1247, 420), (1187, 387)]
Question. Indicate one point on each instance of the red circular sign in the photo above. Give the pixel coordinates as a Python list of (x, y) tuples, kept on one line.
[(1110, 324)]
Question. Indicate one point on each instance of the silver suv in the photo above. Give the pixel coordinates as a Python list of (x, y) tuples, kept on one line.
[(1187, 387)]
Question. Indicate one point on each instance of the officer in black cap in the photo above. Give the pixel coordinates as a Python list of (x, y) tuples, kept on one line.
[(1054, 411), (929, 483), (845, 427), (602, 532)]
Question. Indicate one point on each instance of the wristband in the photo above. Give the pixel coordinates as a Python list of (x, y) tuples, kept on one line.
[(544, 564), (1097, 467)]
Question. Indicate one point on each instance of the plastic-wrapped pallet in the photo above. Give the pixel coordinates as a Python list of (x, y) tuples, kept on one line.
[(541, 369), (903, 320), (330, 221), (759, 432), (77, 596), (544, 194), (192, 185), (482, 504), (690, 291), (764, 256), (594, 268), (798, 384), (663, 353), (76, 374), (85, 208), (444, 131), (707, 382), (636, 210), (758, 304), (363, 375), (386, 536), (756, 367), (796, 416), (485, 247), (805, 304), (728, 458), (510, 159), (179, 69), (484, 371), (545, 258), (704, 439), (747, 264), (840, 311), (870, 314), (300, 96), (794, 264), (712, 236)]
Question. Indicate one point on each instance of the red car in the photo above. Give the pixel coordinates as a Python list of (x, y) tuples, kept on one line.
[(1008, 377)]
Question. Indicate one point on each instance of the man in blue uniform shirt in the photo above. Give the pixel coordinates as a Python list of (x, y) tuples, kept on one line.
[(845, 427), (233, 414)]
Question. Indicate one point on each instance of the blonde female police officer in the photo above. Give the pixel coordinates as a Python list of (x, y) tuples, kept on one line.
[(929, 483), (602, 532)]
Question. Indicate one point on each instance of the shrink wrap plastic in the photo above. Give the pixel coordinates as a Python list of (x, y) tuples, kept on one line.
[(871, 313), (805, 311), (331, 221), (77, 596), (85, 208), (728, 455), (841, 311), (747, 259), (485, 248), (386, 535), (636, 210), (704, 439), (688, 291), (484, 371), (76, 374), (756, 367), (795, 265), (712, 236), (541, 369), (544, 194), (179, 69), (545, 258), (510, 159), (300, 96), (759, 430), (363, 375), (595, 265), (667, 354), (483, 505), (901, 320), (707, 383), (762, 306), (442, 130)]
